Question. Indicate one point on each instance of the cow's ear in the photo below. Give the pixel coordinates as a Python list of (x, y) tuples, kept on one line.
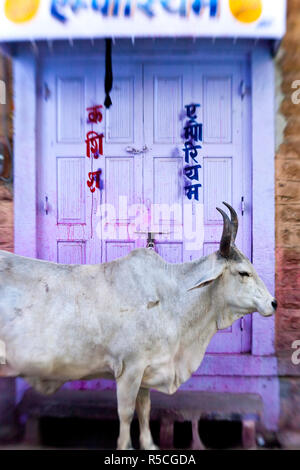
[(208, 278)]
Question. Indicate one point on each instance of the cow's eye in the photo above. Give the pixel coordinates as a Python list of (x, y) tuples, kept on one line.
[(244, 274)]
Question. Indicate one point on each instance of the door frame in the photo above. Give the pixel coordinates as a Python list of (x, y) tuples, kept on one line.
[(259, 105)]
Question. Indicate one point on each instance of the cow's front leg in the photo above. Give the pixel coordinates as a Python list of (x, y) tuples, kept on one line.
[(143, 406), (127, 389)]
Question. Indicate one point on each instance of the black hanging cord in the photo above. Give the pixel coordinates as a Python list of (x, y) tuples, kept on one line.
[(108, 73)]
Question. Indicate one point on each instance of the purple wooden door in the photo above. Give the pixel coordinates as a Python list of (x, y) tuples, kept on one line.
[(142, 184)]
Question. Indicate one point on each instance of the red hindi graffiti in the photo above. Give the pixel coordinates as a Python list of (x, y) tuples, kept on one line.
[(94, 114), (94, 180), (94, 144)]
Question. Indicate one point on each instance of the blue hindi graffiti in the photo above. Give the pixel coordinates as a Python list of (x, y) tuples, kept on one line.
[(193, 133), (61, 9)]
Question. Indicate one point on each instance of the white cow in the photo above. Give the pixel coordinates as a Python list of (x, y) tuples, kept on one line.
[(138, 320)]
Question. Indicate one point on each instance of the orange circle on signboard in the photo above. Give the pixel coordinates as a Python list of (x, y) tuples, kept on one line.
[(20, 11), (246, 11)]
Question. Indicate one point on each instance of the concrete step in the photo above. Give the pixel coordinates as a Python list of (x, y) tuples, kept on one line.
[(182, 406)]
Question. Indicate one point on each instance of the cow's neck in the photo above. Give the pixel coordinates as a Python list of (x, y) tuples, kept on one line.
[(195, 335), (197, 310)]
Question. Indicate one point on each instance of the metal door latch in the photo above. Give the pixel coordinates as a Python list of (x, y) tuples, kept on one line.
[(137, 151), (151, 238), (244, 89), (46, 205), (242, 205), (47, 92)]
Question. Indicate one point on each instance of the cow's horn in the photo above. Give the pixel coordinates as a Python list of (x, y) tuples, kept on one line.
[(225, 243), (234, 221)]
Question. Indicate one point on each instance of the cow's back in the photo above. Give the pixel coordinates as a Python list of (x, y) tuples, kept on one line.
[(64, 317)]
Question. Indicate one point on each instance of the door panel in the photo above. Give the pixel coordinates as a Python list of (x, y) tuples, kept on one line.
[(217, 186), (121, 118), (71, 252), (70, 204), (65, 228), (167, 103), (70, 125), (217, 107), (115, 250)]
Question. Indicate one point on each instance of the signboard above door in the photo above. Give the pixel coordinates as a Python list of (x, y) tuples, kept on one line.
[(65, 19)]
